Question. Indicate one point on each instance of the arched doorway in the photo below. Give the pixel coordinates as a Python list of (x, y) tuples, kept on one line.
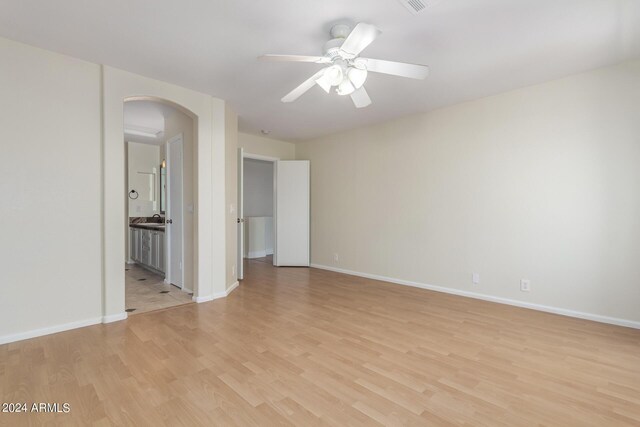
[(160, 176), (208, 115)]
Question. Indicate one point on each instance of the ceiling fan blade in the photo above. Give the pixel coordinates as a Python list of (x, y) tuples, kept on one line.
[(295, 58), (323, 82), (413, 71), (361, 37), (361, 98), (305, 86)]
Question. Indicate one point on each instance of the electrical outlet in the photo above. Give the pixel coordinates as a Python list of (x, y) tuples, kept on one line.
[(336, 257), (525, 285), (475, 278)]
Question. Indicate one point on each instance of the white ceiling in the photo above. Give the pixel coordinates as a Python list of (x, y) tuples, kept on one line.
[(146, 116), (475, 48)]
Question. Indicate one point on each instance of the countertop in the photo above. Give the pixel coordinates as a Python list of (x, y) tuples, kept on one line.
[(148, 226)]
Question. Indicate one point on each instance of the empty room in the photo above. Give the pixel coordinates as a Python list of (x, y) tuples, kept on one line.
[(344, 213)]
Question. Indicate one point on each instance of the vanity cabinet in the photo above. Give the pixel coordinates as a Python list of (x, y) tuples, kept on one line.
[(134, 249), (147, 248), (156, 250)]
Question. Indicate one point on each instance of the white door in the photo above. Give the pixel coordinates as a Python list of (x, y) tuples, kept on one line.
[(174, 228), (240, 257), (292, 213)]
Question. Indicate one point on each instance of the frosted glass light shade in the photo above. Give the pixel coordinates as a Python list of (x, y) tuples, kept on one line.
[(357, 76), (345, 88)]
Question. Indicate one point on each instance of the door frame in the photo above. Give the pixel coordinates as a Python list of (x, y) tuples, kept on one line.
[(169, 235), (240, 203)]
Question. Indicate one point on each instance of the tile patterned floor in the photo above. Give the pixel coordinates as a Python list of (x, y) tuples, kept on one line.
[(146, 291)]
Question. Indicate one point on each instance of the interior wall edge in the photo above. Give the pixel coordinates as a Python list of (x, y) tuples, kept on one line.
[(115, 317), (103, 283), (217, 295)]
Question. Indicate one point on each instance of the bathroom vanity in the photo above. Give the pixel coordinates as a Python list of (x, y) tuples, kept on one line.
[(147, 242)]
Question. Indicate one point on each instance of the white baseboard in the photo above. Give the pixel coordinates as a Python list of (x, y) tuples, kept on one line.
[(114, 317), (232, 288), (523, 304), (217, 295), (257, 254), (202, 299), (5, 339)]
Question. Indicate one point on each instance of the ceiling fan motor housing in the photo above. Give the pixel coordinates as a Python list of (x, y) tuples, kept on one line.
[(339, 33), (332, 48)]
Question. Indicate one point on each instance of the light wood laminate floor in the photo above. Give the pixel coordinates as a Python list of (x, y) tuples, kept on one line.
[(306, 347), (146, 291)]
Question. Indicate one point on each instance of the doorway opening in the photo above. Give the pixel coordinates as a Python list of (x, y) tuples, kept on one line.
[(258, 210), (159, 147), (273, 211)]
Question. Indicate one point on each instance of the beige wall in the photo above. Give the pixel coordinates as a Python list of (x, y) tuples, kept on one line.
[(62, 182), (266, 146), (540, 183), (50, 257)]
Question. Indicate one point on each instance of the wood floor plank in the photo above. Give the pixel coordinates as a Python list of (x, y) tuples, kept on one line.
[(295, 346)]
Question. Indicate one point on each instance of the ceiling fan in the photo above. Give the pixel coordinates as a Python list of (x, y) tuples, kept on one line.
[(346, 70)]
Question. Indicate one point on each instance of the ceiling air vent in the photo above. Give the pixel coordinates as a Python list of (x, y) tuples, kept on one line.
[(415, 6)]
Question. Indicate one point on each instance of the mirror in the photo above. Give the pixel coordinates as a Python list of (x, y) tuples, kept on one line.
[(163, 187), (144, 185)]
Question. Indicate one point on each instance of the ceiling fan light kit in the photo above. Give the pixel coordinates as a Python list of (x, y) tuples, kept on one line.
[(357, 76), (346, 70), (345, 87)]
